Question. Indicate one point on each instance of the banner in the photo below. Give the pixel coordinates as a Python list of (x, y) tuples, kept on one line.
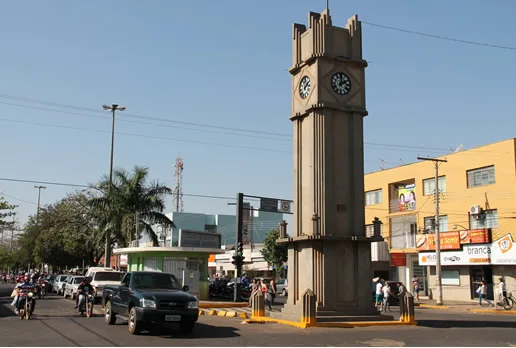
[(479, 236), (407, 197), (449, 241), (500, 252)]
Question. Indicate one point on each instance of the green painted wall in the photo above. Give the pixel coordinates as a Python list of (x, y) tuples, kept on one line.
[(135, 263)]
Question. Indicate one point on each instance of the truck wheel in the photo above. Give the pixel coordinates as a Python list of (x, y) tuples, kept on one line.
[(134, 326), (186, 327), (109, 315)]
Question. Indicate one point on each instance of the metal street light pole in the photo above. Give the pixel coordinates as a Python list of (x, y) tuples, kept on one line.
[(438, 277), (39, 200), (113, 108)]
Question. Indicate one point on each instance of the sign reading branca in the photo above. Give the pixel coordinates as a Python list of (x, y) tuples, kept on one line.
[(500, 252)]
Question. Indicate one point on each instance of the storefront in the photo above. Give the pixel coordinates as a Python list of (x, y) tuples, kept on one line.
[(463, 269)]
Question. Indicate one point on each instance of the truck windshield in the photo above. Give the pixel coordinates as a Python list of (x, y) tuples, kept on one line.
[(156, 281), (108, 276)]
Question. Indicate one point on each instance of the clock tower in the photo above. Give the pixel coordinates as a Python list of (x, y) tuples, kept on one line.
[(328, 251)]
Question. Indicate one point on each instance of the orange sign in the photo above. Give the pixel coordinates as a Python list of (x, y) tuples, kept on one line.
[(505, 244), (448, 241), (480, 236)]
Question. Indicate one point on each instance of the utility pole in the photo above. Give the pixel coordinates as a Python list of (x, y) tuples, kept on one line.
[(239, 257), (112, 108), (39, 199), (438, 278)]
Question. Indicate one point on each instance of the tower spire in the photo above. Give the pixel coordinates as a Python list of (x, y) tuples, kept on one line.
[(178, 186)]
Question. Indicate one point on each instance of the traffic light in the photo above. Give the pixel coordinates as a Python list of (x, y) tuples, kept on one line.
[(235, 260), (240, 249)]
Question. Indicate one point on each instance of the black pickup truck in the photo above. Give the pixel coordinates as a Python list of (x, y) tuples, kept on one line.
[(150, 299)]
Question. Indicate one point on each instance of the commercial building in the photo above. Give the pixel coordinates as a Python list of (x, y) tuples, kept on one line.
[(477, 195)]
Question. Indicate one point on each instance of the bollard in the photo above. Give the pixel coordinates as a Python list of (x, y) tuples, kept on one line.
[(407, 312), (309, 311), (258, 304)]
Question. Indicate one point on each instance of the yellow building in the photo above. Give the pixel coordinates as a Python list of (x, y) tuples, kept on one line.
[(477, 215)]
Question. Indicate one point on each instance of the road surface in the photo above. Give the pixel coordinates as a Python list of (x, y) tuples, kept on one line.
[(55, 324)]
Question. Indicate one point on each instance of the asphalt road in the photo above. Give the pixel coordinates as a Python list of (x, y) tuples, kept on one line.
[(55, 323)]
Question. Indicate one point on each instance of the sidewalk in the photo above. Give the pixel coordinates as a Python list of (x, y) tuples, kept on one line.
[(471, 306)]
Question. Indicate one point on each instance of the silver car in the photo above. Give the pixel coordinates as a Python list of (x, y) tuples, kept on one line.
[(72, 286), (282, 287)]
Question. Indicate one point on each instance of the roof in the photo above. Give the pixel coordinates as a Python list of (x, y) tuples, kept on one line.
[(135, 250)]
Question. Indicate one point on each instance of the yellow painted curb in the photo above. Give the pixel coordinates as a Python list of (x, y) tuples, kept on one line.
[(201, 312), (212, 312), (223, 304), (303, 325), (222, 313), (243, 315), (278, 321), (433, 307), (492, 311), (231, 314)]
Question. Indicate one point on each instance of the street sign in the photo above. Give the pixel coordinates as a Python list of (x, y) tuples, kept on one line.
[(269, 204), (284, 207)]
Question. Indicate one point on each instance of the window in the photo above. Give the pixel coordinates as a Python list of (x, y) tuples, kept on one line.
[(450, 277), (481, 177), (369, 230), (373, 197), (430, 224), (488, 219), (429, 185)]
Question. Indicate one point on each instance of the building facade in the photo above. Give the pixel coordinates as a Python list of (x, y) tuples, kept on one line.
[(477, 220)]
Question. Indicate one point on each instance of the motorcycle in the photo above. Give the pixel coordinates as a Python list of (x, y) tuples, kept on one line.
[(27, 302), (43, 286), (86, 303)]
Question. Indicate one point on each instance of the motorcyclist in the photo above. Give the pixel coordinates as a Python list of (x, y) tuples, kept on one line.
[(27, 284), (83, 288)]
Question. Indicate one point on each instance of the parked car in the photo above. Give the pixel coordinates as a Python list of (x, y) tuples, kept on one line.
[(92, 270), (59, 283), (150, 299), (282, 287), (72, 285)]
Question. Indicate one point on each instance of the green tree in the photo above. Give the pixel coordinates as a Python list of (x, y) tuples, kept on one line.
[(132, 202), (275, 254), (6, 212)]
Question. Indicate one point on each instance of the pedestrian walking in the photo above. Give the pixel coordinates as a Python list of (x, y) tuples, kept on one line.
[(416, 286), (482, 294), (379, 294), (386, 296)]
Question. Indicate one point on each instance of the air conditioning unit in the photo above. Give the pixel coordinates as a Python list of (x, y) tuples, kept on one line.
[(475, 210)]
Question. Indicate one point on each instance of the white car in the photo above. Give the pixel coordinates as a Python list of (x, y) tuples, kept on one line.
[(72, 285), (59, 283), (102, 278)]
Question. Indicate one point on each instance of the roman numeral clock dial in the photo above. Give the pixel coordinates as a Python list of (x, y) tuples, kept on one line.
[(341, 83)]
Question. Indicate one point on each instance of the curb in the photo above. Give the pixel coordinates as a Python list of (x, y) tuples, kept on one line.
[(302, 325), (223, 304), (228, 314), (432, 306), (493, 311)]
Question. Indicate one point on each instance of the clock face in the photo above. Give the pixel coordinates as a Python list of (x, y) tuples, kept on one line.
[(304, 87), (341, 83)]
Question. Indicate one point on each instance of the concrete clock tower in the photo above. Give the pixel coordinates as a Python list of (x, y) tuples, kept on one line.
[(328, 252)]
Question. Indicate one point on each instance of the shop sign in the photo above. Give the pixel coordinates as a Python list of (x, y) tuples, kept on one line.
[(449, 241), (398, 259), (479, 236), (500, 252), (123, 259)]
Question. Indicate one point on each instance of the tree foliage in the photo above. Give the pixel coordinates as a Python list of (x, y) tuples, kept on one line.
[(131, 203), (74, 229), (275, 254), (6, 212)]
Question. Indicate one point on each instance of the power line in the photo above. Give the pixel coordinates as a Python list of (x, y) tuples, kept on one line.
[(91, 187), (142, 122), (440, 37), (142, 117)]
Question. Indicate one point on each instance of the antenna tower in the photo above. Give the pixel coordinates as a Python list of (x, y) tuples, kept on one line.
[(178, 186)]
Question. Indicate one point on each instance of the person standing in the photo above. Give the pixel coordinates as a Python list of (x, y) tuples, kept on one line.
[(379, 294)]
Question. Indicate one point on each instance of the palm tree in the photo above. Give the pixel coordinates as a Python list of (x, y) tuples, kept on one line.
[(131, 202)]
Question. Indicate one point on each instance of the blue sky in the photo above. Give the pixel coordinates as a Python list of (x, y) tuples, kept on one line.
[(224, 64)]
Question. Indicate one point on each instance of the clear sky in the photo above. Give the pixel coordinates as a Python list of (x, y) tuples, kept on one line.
[(224, 64)]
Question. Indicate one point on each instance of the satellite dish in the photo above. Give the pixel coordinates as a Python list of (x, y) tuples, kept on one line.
[(459, 148)]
